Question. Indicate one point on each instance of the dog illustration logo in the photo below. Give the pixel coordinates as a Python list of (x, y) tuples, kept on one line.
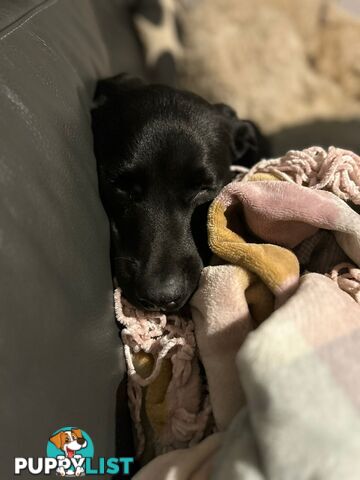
[(70, 446)]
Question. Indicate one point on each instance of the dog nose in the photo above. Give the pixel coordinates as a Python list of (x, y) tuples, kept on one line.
[(171, 306), (81, 441), (166, 298)]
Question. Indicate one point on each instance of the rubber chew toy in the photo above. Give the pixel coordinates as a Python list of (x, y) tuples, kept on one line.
[(168, 401)]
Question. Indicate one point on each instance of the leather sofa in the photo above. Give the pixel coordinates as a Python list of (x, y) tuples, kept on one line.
[(61, 356)]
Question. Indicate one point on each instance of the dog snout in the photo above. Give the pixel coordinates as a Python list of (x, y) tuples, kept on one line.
[(81, 441), (168, 295)]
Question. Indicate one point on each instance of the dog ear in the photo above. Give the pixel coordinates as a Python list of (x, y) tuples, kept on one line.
[(225, 110), (245, 139), (109, 87), (57, 439), (248, 144), (77, 432)]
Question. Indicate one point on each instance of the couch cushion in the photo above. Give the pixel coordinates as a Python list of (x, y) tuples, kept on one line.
[(61, 357)]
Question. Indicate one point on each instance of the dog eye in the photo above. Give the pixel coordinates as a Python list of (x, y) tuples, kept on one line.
[(126, 187), (206, 188), (122, 184), (202, 191)]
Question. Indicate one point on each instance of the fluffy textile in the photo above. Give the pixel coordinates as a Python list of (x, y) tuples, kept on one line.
[(168, 403), (279, 62), (299, 372), (229, 303), (335, 170), (285, 214), (232, 300), (279, 345)]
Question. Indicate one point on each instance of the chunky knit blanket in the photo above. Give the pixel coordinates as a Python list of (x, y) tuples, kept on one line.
[(274, 326)]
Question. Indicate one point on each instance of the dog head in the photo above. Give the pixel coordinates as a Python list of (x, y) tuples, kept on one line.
[(163, 155), (70, 441)]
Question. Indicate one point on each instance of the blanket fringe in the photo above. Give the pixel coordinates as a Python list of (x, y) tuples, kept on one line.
[(163, 337), (335, 170)]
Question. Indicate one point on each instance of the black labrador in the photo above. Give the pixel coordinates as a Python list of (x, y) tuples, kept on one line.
[(163, 154)]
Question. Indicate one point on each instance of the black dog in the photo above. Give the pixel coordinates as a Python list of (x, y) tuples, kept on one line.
[(163, 155)]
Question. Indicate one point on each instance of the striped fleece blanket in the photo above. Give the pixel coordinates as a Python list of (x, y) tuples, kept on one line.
[(276, 321)]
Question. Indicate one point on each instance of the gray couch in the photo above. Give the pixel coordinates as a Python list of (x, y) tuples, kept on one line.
[(61, 356)]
